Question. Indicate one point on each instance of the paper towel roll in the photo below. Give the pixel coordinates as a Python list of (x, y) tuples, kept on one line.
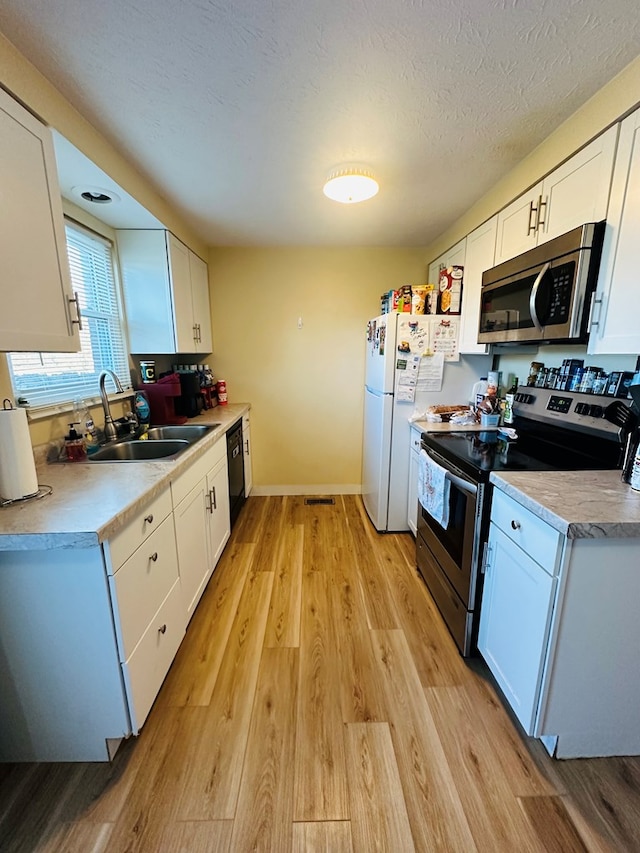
[(17, 466)]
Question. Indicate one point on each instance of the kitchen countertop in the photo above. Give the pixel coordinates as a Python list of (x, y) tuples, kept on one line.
[(579, 504), (93, 500), (431, 426)]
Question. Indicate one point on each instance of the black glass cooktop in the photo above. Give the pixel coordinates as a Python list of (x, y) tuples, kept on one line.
[(478, 453)]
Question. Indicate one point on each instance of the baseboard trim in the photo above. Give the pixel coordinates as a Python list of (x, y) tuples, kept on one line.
[(322, 489)]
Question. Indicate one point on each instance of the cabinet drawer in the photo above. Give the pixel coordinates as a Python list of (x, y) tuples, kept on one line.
[(246, 422), (147, 667), (143, 582), (416, 436), (124, 543), (537, 538), (185, 482)]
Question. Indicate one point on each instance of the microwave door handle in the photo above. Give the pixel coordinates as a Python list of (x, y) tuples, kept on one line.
[(534, 294), (461, 484)]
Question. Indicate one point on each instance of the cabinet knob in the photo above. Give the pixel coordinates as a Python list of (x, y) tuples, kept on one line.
[(515, 524), (154, 556), (162, 629), (246, 446), (149, 518)]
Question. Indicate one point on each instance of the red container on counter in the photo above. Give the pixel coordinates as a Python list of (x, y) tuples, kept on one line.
[(222, 393)]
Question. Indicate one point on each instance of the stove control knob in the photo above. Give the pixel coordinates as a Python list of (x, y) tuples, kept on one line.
[(596, 411), (581, 409)]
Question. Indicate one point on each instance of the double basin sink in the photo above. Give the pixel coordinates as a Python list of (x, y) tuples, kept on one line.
[(162, 442)]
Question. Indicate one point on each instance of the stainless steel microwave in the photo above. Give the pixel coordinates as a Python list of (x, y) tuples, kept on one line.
[(544, 294)]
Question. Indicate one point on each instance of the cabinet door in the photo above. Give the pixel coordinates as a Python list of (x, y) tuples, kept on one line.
[(147, 290), (248, 472), (219, 519), (180, 273), (516, 225), (616, 329), (201, 306), (517, 603), (36, 312), (479, 256), (192, 539), (578, 191)]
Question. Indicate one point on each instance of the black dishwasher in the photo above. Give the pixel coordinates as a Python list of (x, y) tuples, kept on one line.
[(235, 458)]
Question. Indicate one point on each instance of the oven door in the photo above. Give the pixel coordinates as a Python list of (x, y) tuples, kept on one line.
[(456, 547)]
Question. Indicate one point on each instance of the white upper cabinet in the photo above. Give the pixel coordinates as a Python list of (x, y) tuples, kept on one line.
[(37, 310), (576, 192), (615, 327), (481, 247), (452, 257), (166, 293)]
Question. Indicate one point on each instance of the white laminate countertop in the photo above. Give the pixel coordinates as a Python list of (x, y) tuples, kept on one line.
[(93, 500), (580, 504)]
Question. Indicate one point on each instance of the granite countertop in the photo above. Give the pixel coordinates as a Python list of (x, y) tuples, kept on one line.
[(93, 500), (579, 504)]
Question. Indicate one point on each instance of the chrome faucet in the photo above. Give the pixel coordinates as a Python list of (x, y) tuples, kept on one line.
[(110, 431)]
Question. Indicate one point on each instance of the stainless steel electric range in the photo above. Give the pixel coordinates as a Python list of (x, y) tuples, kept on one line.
[(556, 431)]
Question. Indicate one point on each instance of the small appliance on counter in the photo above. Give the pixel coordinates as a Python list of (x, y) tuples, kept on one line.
[(190, 402), (164, 400)]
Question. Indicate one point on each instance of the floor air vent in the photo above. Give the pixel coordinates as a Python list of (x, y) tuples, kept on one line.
[(315, 501)]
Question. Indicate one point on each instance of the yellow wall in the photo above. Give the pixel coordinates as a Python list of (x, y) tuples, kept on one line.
[(305, 385), (615, 99)]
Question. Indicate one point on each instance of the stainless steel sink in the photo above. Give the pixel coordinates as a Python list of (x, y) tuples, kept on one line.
[(186, 432), (140, 451)]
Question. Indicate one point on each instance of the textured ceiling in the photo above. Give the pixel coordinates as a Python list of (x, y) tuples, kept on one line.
[(237, 110)]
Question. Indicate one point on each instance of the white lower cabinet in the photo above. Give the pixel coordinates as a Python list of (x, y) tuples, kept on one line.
[(412, 495), (514, 623), (87, 635), (191, 540), (202, 521), (218, 506), (560, 633)]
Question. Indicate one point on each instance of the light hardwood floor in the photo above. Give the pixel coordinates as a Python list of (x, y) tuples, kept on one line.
[(318, 703)]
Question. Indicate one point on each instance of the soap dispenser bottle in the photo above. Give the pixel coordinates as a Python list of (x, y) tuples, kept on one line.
[(74, 445)]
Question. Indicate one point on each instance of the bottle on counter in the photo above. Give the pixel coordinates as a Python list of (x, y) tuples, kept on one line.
[(478, 392), (222, 393), (84, 419), (509, 398), (74, 445), (142, 412)]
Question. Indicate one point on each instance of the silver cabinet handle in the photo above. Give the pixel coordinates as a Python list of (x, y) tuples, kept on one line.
[(515, 524), (76, 302), (213, 498), (195, 332), (149, 518), (154, 556), (162, 629), (209, 501), (246, 444), (533, 214), (542, 208)]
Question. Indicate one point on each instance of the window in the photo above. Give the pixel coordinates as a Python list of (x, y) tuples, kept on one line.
[(48, 379)]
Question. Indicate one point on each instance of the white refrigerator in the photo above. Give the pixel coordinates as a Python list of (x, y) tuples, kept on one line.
[(386, 432)]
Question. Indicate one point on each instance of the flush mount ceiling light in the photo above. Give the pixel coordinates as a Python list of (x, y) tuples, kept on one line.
[(349, 185), (95, 195)]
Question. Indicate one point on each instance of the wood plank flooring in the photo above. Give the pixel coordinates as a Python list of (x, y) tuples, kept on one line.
[(318, 703)]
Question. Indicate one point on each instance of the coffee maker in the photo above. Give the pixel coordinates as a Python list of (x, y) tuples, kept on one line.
[(190, 402), (164, 397)]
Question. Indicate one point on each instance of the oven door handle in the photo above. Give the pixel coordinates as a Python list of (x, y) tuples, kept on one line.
[(461, 484), (533, 295)]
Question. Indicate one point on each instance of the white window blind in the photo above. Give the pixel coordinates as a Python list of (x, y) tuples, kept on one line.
[(47, 379)]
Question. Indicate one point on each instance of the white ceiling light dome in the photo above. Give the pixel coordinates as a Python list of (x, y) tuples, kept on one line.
[(350, 185)]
